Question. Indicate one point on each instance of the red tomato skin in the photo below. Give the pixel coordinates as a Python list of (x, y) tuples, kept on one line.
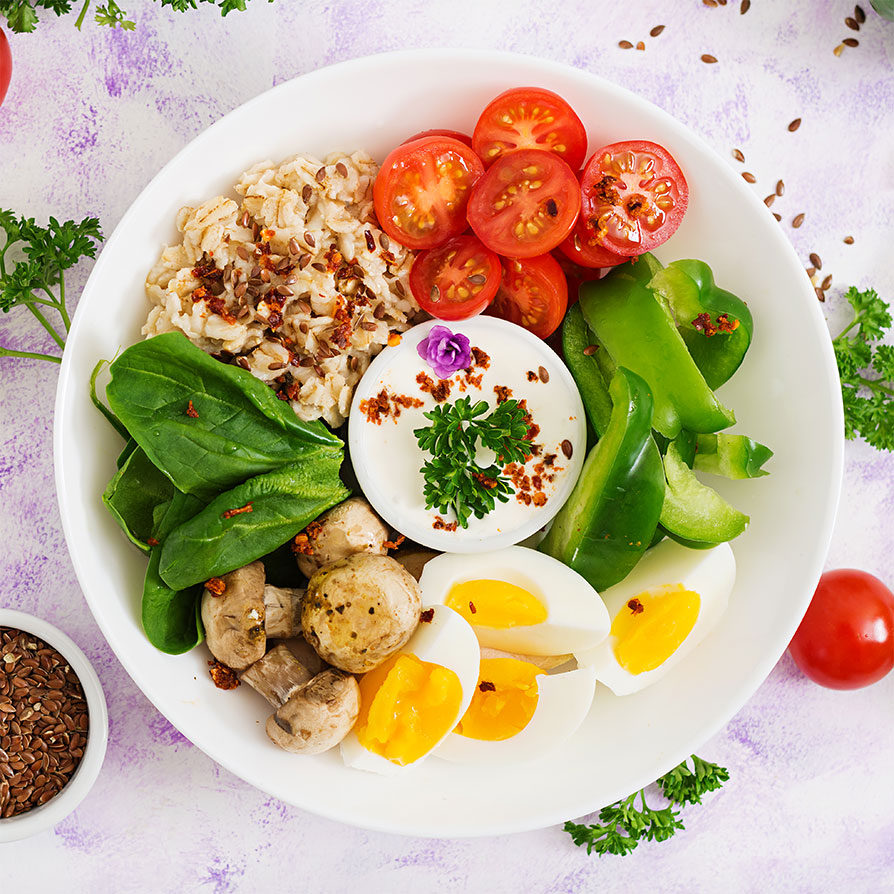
[(421, 278), (846, 639), (489, 126), (399, 159), (648, 239), (440, 132), (596, 257), (5, 65), (545, 271), (491, 227)]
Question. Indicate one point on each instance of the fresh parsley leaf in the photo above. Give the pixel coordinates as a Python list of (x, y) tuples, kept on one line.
[(623, 825), (112, 15), (20, 16), (866, 370), (34, 277), (453, 478)]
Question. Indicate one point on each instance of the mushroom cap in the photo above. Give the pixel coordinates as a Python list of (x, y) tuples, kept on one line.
[(234, 621), (349, 528), (359, 611), (318, 715)]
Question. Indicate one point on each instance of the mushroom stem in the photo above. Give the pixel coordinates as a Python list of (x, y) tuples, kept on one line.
[(277, 675), (283, 610)]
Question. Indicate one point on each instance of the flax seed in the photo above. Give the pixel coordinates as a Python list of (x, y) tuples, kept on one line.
[(826, 283), (816, 260), (820, 294), (746, 5), (851, 42), (342, 169), (625, 44), (748, 177), (838, 50), (780, 187), (640, 45), (567, 448), (738, 155), (768, 200), (853, 24), (794, 125), (707, 57), (320, 176), (849, 240), (656, 31), (859, 15), (797, 220)]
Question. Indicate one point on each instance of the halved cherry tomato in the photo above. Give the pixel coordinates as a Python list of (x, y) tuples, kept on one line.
[(422, 190), (530, 118), (634, 196), (5, 65), (533, 293), (440, 132), (456, 280), (525, 204), (584, 249), (575, 274)]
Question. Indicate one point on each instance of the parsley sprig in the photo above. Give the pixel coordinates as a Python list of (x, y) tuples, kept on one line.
[(623, 825), (453, 478), (33, 277), (22, 15), (867, 370)]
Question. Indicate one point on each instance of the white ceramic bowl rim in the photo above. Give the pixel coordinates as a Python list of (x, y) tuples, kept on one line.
[(57, 808), (803, 382)]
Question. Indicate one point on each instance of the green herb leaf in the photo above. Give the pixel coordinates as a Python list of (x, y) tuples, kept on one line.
[(20, 16), (623, 825), (454, 481), (112, 15), (866, 370)]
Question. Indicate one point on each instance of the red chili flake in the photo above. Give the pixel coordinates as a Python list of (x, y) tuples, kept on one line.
[(200, 294), (481, 358), (725, 324), (217, 586), (267, 235), (635, 606), (224, 677), (274, 319), (704, 325), (394, 544), (487, 686), (231, 512), (427, 616), (472, 608), (484, 480), (301, 545), (151, 541), (440, 525), (503, 393), (532, 376), (191, 411)]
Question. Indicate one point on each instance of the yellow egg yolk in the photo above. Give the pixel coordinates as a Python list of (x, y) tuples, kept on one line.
[(651, 626), (406, 707), (495, 603), (504, 701)]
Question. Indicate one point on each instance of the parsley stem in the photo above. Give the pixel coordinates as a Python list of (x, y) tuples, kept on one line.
[(46, 325), (60, 304), (875, 385), (80, 20), (8, 352)]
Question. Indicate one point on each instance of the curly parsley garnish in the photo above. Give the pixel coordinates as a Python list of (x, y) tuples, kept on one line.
[(623, 825), (867, 370), (35, 278), (22, 15), (453, 478)]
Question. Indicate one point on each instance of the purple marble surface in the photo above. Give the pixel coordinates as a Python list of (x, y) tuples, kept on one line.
[(91, 116)]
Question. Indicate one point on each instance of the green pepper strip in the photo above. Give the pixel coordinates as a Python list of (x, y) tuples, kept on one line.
[(733, 456), (639, 334), (715, 324), (576, 339), (610, 518), (692, 510)]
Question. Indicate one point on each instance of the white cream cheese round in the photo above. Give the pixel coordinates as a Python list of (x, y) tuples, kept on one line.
[(508, 362)]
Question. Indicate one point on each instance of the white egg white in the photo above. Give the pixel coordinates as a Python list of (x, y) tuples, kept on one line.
[(563, 701), (576, 616), (711, 573), (446, 640)]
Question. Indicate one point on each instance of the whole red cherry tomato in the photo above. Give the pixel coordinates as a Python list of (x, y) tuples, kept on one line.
[(5, 65), (846, 640)]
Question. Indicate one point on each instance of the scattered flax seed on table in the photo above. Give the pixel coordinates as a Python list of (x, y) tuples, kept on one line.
[(851, 42), (748, 177), (656, 31), (746, 5), (780, 187), (798, 219), (794, 125), (849, 240), (816, 260), (839, 49), (853, 24), (640, 45), (707, 57), (859, 15), (738, 155), (625, 44)]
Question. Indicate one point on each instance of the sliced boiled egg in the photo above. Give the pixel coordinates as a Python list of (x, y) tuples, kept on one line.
[(519, 712), (410, 703), (660, 612), (518, 600)]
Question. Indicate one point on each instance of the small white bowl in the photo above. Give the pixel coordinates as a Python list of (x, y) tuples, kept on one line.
[(44, 817)]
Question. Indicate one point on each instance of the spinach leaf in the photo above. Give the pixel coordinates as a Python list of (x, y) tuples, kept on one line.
[(129, 448), (250, 521), (207, 425), (133, 495), (171, 618), (114, 421)]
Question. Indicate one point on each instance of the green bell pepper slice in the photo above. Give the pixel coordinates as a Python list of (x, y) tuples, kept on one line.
[(576, 339), (733, 456), (633, 325), (611, 515), (692, 511), (715, 324)]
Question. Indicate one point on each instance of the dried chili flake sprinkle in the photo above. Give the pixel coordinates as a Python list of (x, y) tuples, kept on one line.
[(472, 608), (394, 544), (427, 616), (151, 541), (635, 606), (191, 411), (487, 686), (242, 509), (217, 586), (224, 677)]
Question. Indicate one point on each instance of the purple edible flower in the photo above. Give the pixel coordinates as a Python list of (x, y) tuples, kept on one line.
[(445, 352)]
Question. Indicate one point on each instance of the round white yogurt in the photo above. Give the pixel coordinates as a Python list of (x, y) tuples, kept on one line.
[(387, 459)]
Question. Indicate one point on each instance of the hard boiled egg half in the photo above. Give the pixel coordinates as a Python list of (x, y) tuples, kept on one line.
[(659, 613), (532, 606), (409, 704)]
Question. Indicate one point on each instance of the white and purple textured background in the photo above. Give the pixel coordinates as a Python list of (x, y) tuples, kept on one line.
[(91, 116)]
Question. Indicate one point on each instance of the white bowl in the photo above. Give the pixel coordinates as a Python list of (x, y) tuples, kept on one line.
[(786, 395), (44, 817)]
